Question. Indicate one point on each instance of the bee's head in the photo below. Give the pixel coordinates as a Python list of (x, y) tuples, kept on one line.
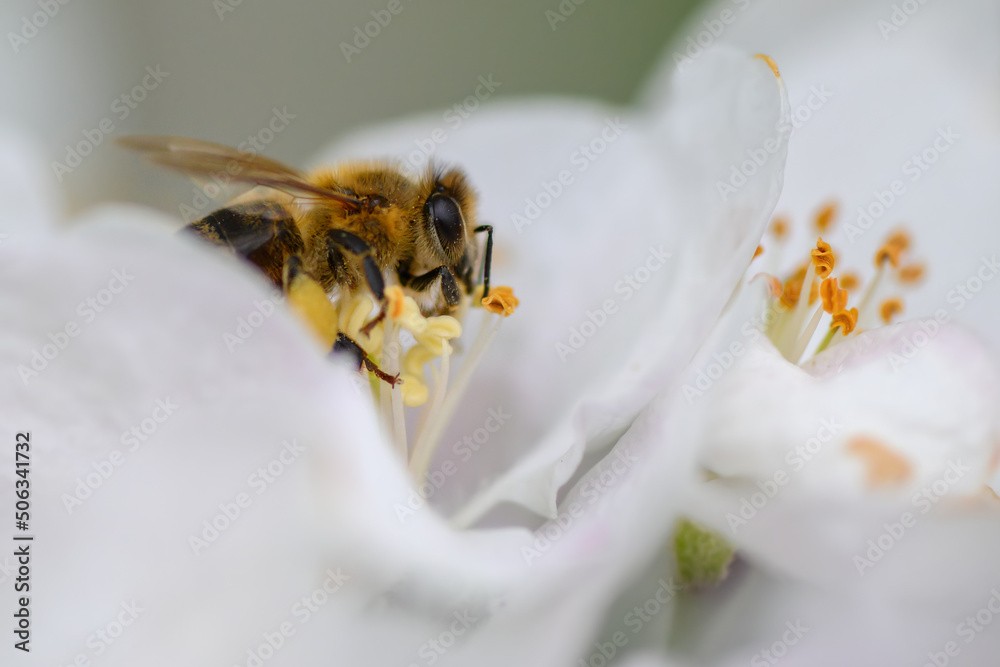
[(448, 214)]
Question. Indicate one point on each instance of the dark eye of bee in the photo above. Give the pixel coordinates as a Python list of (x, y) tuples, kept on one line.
[(442, 211)]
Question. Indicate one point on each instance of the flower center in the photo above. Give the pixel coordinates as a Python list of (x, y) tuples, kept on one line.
[(811, 296), (410, 344)]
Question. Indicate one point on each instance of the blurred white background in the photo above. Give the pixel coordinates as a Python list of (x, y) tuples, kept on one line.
[(228, 63)]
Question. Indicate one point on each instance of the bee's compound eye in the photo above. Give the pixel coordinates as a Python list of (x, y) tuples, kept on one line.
[(443, 212)]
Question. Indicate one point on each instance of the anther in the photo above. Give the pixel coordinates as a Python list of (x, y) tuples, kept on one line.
[(822, 258), (779, 228), (845, 319), (889, 309), (834, 298), (911, 273), (825, 216)]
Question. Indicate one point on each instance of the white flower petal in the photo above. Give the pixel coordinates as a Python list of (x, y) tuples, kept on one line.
[(785, 442)]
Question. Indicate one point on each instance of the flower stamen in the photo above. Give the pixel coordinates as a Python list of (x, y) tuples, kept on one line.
[(825, 216), (890, 308)]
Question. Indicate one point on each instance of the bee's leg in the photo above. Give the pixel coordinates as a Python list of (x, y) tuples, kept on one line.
[(345, 345), (310, 300), (487, 258), (339, 241), (449, 287)]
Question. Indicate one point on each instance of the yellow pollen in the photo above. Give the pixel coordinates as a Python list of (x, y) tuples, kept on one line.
[(779, 227), (770, 63), (911, 273), (834, 298), (849, 281), (884, 467), (825, 216), (309, 300), (889, 309), (823, 259), (845, 319), (758, 252), (501, 301)]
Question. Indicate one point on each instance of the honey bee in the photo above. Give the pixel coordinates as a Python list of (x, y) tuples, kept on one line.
[(348, 226)]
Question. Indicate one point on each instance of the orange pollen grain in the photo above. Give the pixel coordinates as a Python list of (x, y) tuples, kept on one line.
[(501, 301), (883, 466), (845, 319), (825, 216), (758, 252), (899, 238), (849, 281), (834, 298), (394, 296), (911, 273), (889, 309), (792, 289), (779, 227), (773, 284), (823, 259)]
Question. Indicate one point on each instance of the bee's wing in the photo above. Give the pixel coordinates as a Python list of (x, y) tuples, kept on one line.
[(203, 158)]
